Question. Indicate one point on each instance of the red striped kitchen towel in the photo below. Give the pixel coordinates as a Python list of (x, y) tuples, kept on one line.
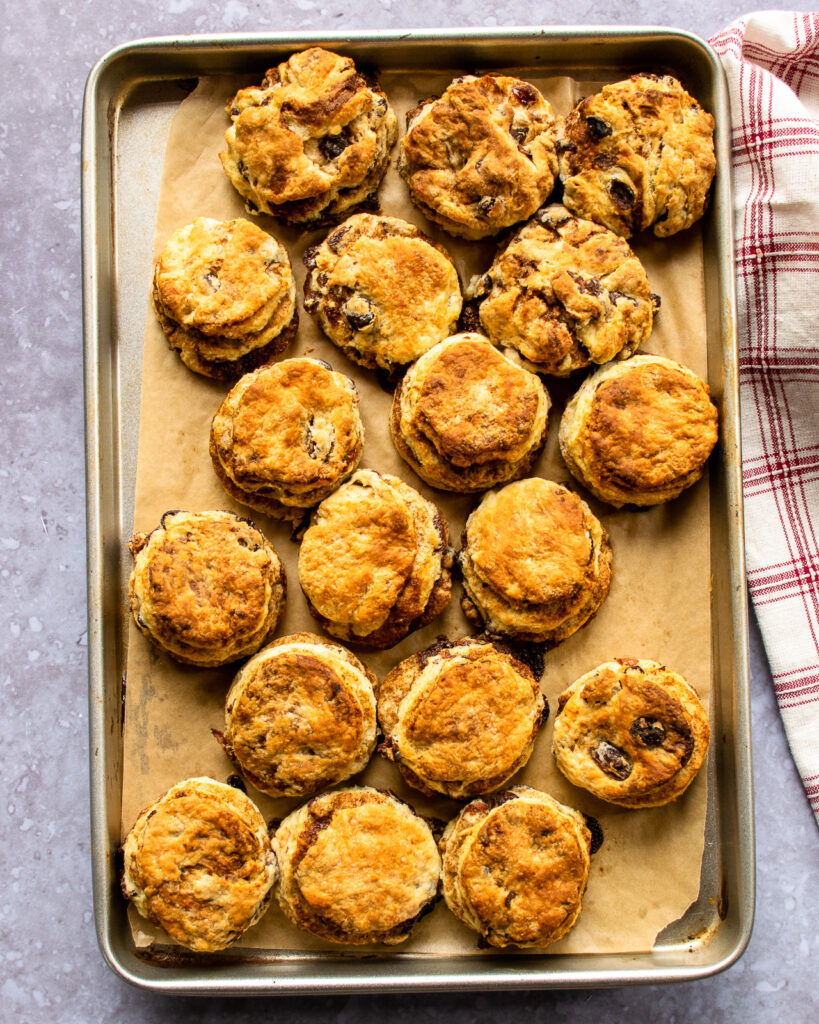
[(772, 63)]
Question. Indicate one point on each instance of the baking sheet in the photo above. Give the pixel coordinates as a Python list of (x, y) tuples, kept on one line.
[(648, 870)]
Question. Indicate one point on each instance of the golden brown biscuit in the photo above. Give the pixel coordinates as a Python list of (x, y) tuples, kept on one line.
[(206, 587), (515, 867), (639, 432), (565, 293), (461, 717), (357, 866), (225, 297), (358, 288), (536, 562), (632, 733), (375, 564), (312, 142), (638, 153), (198, 863), (286, 436), (465, 417), (482, 156), (299, 716)]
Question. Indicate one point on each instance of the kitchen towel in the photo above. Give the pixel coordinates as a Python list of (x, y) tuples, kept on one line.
[(772, 63)]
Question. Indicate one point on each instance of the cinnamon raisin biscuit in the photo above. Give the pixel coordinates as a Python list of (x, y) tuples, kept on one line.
[(461, 717), (225, 297), (565, 293), (382, 291), (286, 436), (482, 156), (639, 432), (638, 153), (312, 142), (357, 866), (536, 562), (515, 867), (465, 417), (299, 716), (374, 563), (206, 587), (631, 732), (198, 863)]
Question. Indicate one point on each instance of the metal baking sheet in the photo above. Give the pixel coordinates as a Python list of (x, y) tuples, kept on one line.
[(131, 97)]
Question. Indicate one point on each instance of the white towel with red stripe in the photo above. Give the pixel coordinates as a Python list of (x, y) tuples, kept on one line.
[(772, 63)]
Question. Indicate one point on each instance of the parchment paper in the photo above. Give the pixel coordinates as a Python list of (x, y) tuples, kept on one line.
[(647, 872)]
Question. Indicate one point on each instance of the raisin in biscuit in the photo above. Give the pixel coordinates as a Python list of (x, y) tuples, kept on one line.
[(225, 297), (206, 587), (382, 291), (515, 867), (465, 417), (299, 716), (198, 863), (536, 563), (565, 293), (461, 717), (374, 563), (358, 866), (639, 153), (632, 733), (312, 142), (482, 156), (639, 432), (286, 436)]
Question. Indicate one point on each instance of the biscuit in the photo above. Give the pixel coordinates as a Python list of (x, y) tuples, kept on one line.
[(300, 716), (639, 432), (357, 866), (357, 288), (482, 156), (535, 561), (286, 436), (198, 863), (225, 297), (461, 717), (465, 417), (636, 154), (565, 293), (515, 867), (632, 733), (374, 563), (206, 587), (312, 142)]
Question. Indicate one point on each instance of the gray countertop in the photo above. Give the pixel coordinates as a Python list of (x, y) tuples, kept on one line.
[(52, 970)]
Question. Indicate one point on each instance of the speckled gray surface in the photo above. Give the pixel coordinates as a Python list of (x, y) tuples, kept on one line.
[(51, 969)]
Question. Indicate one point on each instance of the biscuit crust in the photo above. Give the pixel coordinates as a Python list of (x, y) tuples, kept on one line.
[(300, 715), (515, 867), (536, 563), (466, 418), (638, 153), (286, 436), (358, 866), (225, 296), (356, 287), (206, 587), (565, 293), (631, 732), (461, 717), (198, 863), (374, 563), (312, 142), (639, 432), (482, 156)]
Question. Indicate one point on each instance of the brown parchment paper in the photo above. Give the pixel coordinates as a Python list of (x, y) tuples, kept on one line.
[(647, 872)]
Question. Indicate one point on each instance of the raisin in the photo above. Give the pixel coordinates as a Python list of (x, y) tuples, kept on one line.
[(237, 782), (335, 238), (598, 128), (519, 133), (622, 194), (612, 760), (213, 281), (332, 146), (648, 731), (593, 825), (524, 93), (485, 204), (359, 320)]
